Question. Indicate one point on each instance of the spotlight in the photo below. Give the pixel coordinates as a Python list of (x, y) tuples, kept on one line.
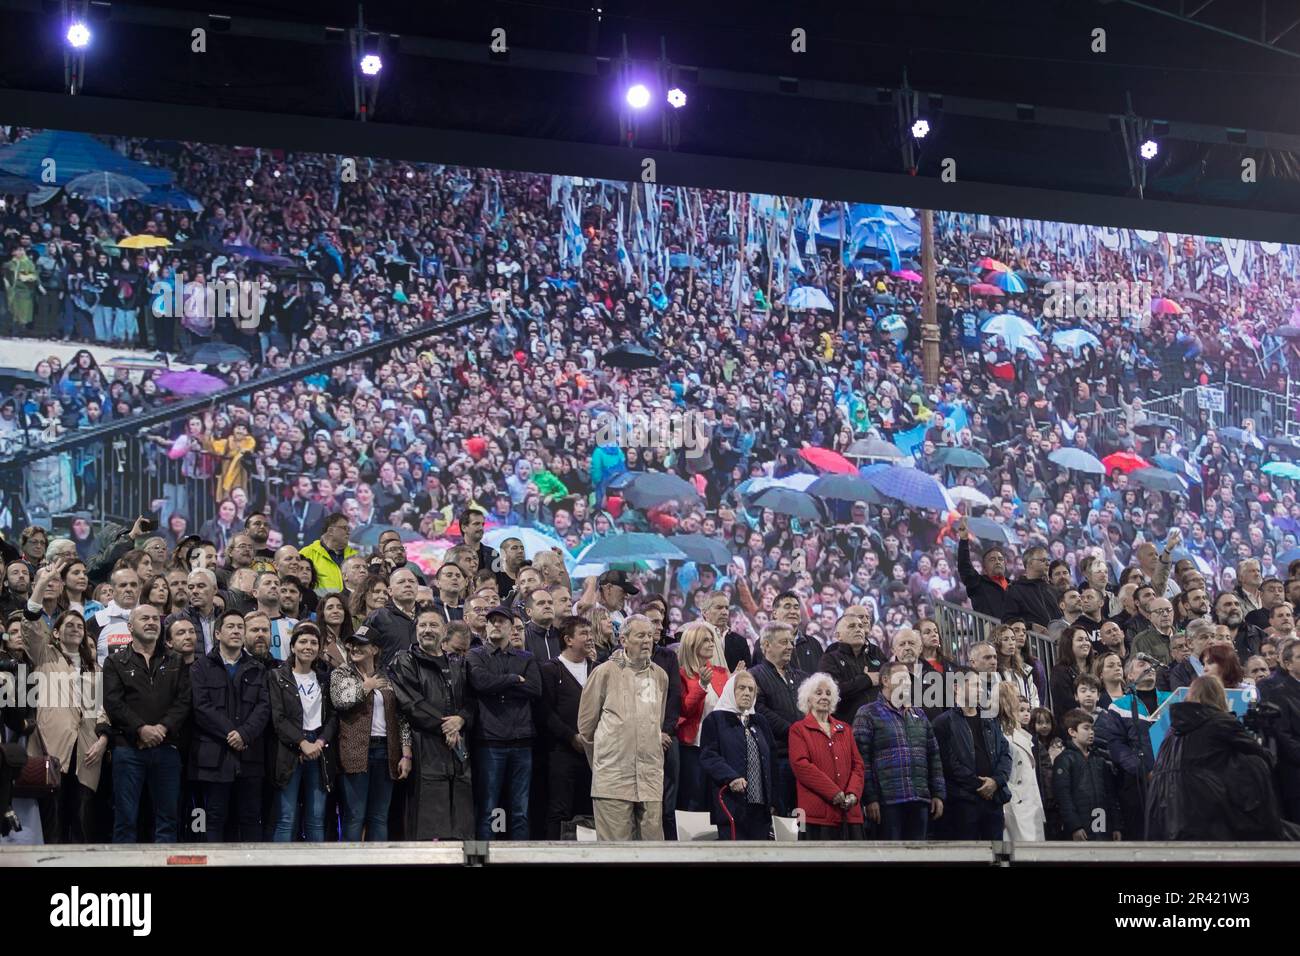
[(920, 128), (638, 97), (276, 174), (248, 183), (410, 174), (78, 36), (371, 64), (676, 98), (1149, 149)]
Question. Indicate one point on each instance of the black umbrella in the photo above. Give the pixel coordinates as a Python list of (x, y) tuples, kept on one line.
[(1157, 479), (883, 298), (202, 245), (964, 280), (9, 377), (846, 488), (216, 353), (786, 501), (702, 549), (629, 355), (369, 537), (654, 488)]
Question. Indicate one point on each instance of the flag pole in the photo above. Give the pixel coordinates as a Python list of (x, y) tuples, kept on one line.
[(844, 214)]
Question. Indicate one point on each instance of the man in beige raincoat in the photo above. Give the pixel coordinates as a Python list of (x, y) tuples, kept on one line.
[(619, 719)]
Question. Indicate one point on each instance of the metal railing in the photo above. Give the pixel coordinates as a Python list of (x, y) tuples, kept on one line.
[(960, 627), (117, 472)]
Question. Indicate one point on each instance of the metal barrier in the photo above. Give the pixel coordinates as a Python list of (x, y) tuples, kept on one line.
[(960, 627), (1273, 412), (117, 472)]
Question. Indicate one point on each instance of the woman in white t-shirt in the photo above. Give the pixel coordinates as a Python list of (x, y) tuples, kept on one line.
[(306, 728)]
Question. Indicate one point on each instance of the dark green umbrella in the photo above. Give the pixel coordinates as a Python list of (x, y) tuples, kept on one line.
[(846, 488), (960, 458), (785, 501)]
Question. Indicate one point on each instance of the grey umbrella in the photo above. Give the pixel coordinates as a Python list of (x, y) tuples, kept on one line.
[(1157, 479), (960, 458), (986, 529), (874, 448), (654, 488), (702, 549), (785, 501), (106, 187)]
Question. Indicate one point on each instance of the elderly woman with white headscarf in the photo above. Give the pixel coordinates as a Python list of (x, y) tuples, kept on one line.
[(828, 768), (736, 750)]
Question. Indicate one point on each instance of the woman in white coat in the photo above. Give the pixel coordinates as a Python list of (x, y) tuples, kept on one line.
[(1024, 813)]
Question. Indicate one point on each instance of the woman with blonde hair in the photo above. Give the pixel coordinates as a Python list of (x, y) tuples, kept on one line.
[(1025, 818), (702, 685), (602, 627), (1011, 666)]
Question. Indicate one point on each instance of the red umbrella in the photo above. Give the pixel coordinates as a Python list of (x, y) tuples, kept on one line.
[(995, 264), (983, 288), (1166, 307), (1125, 461), (828, 460)]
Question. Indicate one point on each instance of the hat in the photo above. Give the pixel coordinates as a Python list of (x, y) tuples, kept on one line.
[(360, 636), (501, 610), (619, 578)]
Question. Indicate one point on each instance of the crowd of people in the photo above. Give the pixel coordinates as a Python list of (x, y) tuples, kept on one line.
[(160, 693), (502, 417)]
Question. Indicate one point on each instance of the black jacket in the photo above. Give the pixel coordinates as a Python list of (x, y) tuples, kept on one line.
[(298, 526), (666, 659), (736, 649), (778, 701), (286, 725), (986, 595), (136, 693), (1212, 781), (393, 630), (1062, 686), (429, 688), (223, 704), (723, 759), (1036, 601), (1284, 690), (957, 751), (807, 655), (1248, 642), (559, 705), (1083, 785), (850, 673), (543, 643), (504, 713)]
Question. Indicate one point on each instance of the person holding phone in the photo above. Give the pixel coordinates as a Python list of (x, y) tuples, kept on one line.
[(305, 727)]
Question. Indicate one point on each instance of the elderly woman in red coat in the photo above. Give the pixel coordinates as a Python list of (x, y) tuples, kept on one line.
[(828, 769)]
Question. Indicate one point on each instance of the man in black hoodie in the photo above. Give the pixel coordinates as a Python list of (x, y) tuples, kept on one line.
[(1030, 596), (987, 588)]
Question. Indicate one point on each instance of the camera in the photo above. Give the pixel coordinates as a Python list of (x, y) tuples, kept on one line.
[(1260, 718)]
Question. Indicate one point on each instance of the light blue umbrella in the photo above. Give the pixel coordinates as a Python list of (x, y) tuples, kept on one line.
[(806, 298), (534, 541), (1006, 281), (682, 260), (1282, 469), (1076, 459), (911, 486), (893, 325), (1075, 339)]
